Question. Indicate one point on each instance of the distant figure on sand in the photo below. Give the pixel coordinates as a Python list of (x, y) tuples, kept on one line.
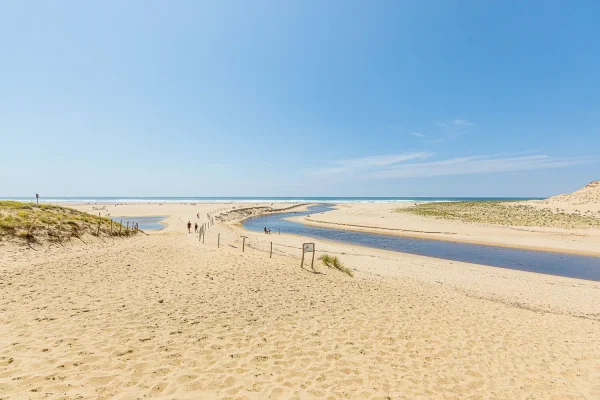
[(196, 227), (189, 227)]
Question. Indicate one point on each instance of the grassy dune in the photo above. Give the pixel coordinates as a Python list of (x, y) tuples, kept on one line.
[(36, 223), (502, 213)]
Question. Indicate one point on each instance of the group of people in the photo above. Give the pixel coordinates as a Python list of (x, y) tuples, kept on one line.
[(189, 225)]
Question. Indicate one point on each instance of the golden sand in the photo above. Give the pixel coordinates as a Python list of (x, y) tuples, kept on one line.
[(163, 316)]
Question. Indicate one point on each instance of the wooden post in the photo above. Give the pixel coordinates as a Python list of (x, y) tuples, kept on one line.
[(312, 263), (243, 243), (302, 261), (271, 252), (218, 240), (127, 228), (203, 234), (99, 227), (111, 227), (120, 226)]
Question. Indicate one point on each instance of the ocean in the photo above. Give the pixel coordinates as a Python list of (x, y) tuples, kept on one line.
[(274, 199)]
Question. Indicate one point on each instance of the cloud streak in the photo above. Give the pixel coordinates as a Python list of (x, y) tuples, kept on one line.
[(417, 134), (364, 164), (406, 165)]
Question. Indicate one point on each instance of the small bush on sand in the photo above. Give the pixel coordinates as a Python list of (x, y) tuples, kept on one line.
[(334, 262)]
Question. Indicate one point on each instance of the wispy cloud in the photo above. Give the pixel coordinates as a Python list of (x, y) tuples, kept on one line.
[(363, 164), (455, 124), (404, 165), (417, 134)]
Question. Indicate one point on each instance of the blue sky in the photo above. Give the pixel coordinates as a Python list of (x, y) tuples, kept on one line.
[(311, 98)]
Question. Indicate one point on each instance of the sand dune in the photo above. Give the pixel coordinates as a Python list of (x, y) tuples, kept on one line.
[(584, 200)]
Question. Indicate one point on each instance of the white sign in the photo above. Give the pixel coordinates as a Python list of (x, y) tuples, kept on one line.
[(308, 247)]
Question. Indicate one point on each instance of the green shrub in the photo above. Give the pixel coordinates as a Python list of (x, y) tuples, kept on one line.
[(334, 262)]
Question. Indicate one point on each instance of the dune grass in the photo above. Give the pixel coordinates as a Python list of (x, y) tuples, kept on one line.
[(334, 262), (502, 213), (35, 223)]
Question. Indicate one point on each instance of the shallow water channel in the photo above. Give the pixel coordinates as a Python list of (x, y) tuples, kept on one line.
[(569, 265)]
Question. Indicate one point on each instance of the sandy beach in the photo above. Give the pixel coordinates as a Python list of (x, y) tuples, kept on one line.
[(164, 316)]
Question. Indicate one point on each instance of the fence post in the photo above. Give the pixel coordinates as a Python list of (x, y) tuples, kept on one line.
[(120, 226), (127, 228), (203, 234), (271, 252), (243, 243), (218, 240)]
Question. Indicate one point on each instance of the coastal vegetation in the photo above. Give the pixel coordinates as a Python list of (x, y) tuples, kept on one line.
[(334, 262), (504, 213), (38, 222)]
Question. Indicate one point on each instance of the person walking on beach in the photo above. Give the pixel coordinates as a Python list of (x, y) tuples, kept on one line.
[(196, 227), (189, 227)]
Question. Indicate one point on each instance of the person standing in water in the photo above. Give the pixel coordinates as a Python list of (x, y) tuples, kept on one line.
[(189, 227)]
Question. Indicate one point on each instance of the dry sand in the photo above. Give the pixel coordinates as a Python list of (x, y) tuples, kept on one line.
[(163, 316)]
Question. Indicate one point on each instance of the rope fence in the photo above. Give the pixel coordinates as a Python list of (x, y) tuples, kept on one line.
[(271, 247)]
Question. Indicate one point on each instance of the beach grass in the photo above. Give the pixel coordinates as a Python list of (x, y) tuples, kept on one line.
[(334, 262), (503, 213), (37, 222)]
